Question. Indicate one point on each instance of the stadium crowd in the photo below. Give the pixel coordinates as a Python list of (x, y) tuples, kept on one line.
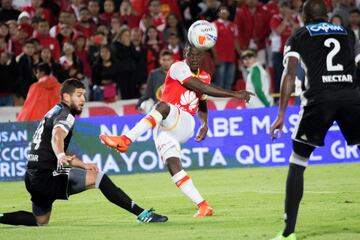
[(114, 46)]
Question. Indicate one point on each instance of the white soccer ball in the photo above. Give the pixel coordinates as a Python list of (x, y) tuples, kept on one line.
[(202, 34)]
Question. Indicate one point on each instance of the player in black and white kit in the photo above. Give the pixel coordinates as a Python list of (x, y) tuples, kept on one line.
[(47, 179), (329, 54)]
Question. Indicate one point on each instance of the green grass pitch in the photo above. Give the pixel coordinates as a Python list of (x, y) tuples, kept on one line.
[(247, 202)]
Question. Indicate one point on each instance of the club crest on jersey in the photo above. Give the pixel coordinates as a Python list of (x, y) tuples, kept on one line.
[(325, 29)]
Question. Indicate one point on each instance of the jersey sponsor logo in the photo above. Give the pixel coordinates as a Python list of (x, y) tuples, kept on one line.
[(325, 29), (189, 98), (32, 157), (337, 78)]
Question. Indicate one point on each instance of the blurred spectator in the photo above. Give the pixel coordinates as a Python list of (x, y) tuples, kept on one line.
[(354, 22), (114, 26), (5, 36), (141, 62), (43, 95), (12, 24), (105, 17), (84, 25), (343, 7), (145, 23), (7, 11), (282, 26), (105, 76), (56, 69), (175, 47), (336, 19), (82, 53), (70, 63), (24, 17), (155, 82), (253, 27), (42, 34), (65, 35), (95, 42), (75, 6), (127, 16), (25, 68), (257, 81), (63, 19), (94, 10), (126, 56), (23, 33), (37, 47), (153, 46), (190, 11), (158, 19), (174, 26), (225, 49), (9, 74), (272, 7), (210, 14), (35, 9)]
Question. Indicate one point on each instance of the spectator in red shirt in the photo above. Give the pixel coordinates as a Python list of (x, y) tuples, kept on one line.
[(282, 26), (43, 95), (84, 26), (225, 49), (272, 7), (35, 9), (127, 16), (175, 47), (153, 45), (105, 17), (253, 28), (157, 17), (94, 10), (24, 32), (82, 53), (63, 19), (42, 34)]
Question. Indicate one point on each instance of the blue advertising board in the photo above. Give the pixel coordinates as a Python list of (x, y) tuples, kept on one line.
[(236, 138)]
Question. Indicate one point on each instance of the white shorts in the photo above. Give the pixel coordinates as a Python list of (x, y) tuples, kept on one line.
[(177, 128)]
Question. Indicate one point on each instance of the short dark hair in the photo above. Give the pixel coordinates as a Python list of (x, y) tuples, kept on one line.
[(44, 67), (70, 85), (165, 52), (354, 10)]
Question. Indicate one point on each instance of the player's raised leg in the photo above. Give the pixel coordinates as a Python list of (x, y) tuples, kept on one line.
[(121, 143), (116, 195)]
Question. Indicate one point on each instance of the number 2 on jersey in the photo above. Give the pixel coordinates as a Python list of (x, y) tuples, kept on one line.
[(329, 58), (37, 135)]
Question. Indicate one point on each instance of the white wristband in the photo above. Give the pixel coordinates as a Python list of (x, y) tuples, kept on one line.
[(60, 155)]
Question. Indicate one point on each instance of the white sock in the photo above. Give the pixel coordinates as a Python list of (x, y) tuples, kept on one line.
[(149, 121), (185, 184)]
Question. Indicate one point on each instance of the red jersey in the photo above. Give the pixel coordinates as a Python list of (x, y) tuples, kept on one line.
[(225, 45), (175, 93)]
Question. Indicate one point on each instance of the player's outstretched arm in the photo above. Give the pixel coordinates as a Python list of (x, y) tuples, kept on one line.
[(211, 90), (287, 87), (57, 143)]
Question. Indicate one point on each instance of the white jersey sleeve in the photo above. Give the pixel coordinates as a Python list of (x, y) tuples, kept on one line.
[(180, 71)]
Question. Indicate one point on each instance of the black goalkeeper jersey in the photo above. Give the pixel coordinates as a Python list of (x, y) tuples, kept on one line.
[(327, 54), (41, 154)]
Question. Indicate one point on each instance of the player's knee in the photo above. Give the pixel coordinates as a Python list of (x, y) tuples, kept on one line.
[(301, 154), (163, 108), (91, 178), (302, 149), (174, 165)]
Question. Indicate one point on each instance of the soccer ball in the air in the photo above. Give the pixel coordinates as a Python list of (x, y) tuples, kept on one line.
[(202, 35)]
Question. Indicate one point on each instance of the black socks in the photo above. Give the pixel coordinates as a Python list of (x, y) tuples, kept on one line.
[(294, 193), (18, 218), (118, 196)]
